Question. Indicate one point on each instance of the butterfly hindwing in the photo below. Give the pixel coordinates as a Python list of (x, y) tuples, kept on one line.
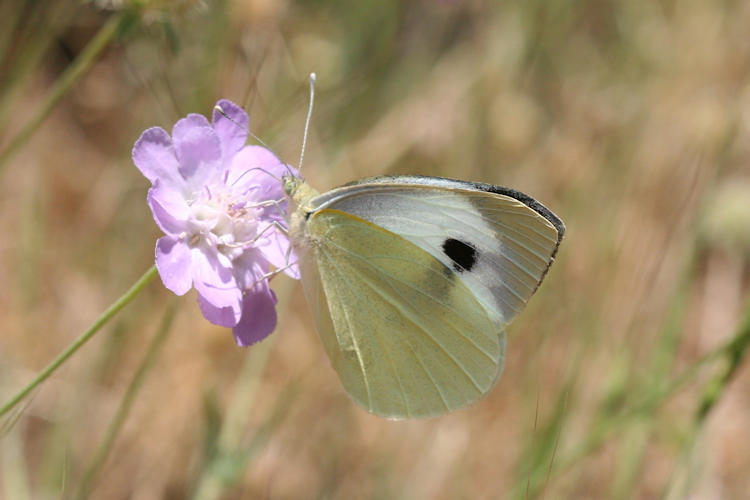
[(406, 335)]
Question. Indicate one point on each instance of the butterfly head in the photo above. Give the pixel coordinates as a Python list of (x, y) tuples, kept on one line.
[(290, 184), (297, 190)]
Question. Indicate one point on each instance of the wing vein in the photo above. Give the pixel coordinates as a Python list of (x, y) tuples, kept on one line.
[(408, 285), (410, 317), (535, 216), (388, 354), (358, 352), (532, 274)]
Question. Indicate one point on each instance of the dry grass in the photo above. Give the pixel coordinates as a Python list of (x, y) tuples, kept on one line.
[(629, 118)]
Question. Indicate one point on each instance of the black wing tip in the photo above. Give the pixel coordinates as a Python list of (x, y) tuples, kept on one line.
[(532, 204)]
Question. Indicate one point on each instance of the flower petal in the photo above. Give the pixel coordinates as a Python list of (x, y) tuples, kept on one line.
[(215, 281), (199, 151), (275, 252), (249, 268), (153, 154), (256, 168), (258, 315), (232, 131), (173, 261), (184, 125), (222, 316), (169, 208)]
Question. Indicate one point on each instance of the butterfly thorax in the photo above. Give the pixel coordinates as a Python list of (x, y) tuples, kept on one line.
[(300, 194)]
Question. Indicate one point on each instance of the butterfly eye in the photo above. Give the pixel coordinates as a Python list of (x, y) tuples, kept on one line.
[(463, 254)]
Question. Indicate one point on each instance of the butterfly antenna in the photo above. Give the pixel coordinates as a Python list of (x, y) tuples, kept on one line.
[(307, 120)]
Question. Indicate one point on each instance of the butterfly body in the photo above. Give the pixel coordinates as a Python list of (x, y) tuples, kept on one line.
[(411, 281)]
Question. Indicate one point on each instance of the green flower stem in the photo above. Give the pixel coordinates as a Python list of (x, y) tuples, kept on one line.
[(126, 403), (71, 75), (80, 341)]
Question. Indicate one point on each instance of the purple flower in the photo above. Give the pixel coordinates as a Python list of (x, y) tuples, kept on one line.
[(221, 205)]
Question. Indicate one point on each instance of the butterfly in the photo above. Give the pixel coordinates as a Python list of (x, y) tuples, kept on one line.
[(412, 280)]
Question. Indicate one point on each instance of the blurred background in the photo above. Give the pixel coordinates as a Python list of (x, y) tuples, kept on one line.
[(625, 375)]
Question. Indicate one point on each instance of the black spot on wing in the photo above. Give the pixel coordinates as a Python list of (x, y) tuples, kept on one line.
[(463, 254)]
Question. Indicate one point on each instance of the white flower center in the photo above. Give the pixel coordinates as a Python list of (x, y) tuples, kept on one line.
[(225, 219)]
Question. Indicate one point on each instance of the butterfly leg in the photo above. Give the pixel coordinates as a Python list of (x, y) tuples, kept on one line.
[(284, 230), (271, 274), (277, 204)]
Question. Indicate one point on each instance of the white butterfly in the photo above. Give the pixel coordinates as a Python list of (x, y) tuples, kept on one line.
[(412, 280)]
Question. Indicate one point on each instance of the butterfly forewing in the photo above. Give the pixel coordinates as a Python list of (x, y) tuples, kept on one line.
[(406, 335), (500, 242)]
